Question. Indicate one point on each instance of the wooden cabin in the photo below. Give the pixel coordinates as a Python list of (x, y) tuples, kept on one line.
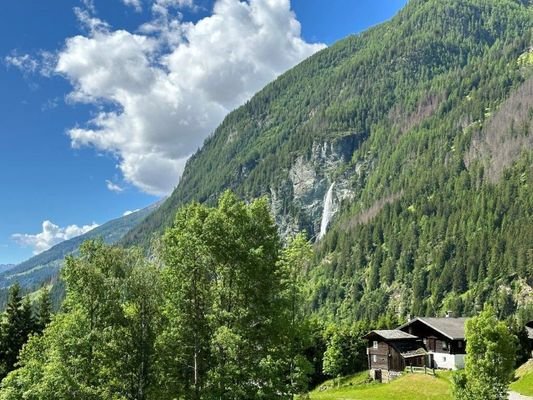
[(389, 352), (443, 338)]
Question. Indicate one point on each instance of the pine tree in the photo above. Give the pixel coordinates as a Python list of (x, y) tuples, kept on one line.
[(44, 310), (18, 324)]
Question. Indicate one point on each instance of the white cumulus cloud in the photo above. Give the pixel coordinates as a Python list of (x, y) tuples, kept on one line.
[(51, 235), (162, 90)]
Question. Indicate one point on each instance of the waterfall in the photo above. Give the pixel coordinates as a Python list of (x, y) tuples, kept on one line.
[(327, 214)]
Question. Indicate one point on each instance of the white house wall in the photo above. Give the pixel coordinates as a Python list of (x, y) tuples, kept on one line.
[(448, 361)]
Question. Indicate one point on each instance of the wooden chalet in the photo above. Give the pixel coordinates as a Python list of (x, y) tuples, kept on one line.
[(422, 342), (443, 338), (391, 351)]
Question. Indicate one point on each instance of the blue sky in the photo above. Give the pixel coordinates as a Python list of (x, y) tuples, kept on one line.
[(104, 100)]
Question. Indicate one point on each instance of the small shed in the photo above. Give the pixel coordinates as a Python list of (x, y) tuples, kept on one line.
[(391, 351)]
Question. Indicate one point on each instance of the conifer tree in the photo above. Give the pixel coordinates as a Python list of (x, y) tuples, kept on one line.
[(44, 310), (16, 328)]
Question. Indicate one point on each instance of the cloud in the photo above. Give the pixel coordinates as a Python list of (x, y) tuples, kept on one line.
[(43, 63), (89, 22), (160, 5), (114, 187), (50, 236), (161, 91), (24, 62), (126, 213), (50, 104), (136, 4), (89, 5)]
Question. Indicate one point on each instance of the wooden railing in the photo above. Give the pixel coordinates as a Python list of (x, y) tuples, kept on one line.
[(420, 370)]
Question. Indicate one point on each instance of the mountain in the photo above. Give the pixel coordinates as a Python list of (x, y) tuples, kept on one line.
[(413, 143), (44, 267), (6, 267)]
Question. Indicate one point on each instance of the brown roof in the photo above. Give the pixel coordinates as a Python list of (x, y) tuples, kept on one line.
[(391, 334), (453, 328)]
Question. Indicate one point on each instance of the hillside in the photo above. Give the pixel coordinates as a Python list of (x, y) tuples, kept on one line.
[(413, 141), (408, 387), (44, 267), (524, 379), (5, 267)]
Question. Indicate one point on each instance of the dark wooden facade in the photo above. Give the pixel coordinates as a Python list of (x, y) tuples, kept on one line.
[(435, 341), (385, 354)]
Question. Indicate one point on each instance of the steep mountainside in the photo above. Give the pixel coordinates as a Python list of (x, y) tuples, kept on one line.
[(414, 142), (5, 267), (44, 267)]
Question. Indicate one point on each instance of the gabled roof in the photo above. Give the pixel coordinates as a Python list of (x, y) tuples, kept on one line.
[(391, 334), (452, 328)]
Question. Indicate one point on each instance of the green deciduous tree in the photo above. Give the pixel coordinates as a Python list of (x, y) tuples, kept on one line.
[(231, 304), (102, 345), (294, 261), (334, 358), (491, 352), (184, 343)]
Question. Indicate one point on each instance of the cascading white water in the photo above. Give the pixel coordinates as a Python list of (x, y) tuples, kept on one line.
[(327, 214)]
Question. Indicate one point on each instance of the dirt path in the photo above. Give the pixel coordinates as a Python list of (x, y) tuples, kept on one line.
[(517, 396)]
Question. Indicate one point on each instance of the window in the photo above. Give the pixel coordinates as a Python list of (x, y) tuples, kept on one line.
[(374, 358), (460, 344), (425, 341), (375, 344), (443, 359), (445, 345)]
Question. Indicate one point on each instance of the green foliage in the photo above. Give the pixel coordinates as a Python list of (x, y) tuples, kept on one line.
[(489, 362), (233, 324), (334, 357), (222, 318), (295, 260), (102, 345)]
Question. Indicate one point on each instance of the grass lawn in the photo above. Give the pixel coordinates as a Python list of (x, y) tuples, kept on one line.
[(524, 383), (407, 387)]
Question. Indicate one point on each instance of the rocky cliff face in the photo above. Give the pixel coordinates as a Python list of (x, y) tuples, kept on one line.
[(299, 201)]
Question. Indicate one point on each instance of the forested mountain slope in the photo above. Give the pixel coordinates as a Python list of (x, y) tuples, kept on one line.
[(416, 136), (5, 267)]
